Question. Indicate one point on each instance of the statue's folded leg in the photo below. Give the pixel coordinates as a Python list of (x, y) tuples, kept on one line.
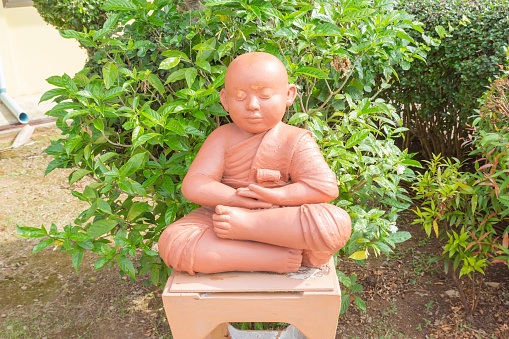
[(177, 244), (318, 229), (326, 230), (191, 245), (214, 254)]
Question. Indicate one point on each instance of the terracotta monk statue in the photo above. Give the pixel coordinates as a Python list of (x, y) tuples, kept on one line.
[(263, 185)]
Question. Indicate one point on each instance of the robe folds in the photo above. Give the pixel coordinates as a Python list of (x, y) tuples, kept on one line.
[(275, 158)]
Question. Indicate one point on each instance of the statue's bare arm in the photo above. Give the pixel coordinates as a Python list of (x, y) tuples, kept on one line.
[(295, 194)]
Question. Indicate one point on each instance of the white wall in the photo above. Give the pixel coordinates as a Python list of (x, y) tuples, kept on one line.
[(32, 51)]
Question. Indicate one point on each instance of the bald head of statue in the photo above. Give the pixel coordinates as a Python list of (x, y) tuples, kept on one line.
[(257, 91)]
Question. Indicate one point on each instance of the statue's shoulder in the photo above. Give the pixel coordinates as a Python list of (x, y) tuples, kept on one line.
[(223, 131), (292, 132)]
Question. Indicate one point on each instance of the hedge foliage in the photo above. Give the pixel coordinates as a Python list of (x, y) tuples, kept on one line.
[(436, 99), (462, 208), (75, 14)]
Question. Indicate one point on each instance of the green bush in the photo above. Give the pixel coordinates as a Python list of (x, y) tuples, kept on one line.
[(76, 14), (436, 99), (137, 124), (461, 207)]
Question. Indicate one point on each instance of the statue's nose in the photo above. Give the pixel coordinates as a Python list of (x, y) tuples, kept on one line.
[(252, 103)]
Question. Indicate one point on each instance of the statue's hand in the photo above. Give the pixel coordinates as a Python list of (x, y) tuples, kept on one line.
[(270, 195), (250, 203)]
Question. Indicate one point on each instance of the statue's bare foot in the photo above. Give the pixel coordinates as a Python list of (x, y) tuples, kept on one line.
[(234, 223), (291, 262)]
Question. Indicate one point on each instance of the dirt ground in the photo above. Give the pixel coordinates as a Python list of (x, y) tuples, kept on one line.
[(42, 297)]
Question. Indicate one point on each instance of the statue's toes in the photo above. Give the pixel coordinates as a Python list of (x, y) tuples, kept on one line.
[(219, 225), (220, 218), (222, 233), (220, 209)]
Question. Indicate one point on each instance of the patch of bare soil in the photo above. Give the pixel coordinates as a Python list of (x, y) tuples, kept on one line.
[(41, 296), (408, 297)]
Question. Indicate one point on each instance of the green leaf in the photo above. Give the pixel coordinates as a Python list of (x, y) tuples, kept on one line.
[(103, 206), (101, 262), (168, 184), (441, 31), (101, 227), (357, 288), (326, 29), (474, 203), (79, 236), (383, 247), (359, 302), (126, 265), (312, 72), (156, 83), (344, 279), (77, 175), (136, 209), (297, 118), (410, 162), (42, 245), (133, 164), (69, 84), (203, 47), (345, 303), (400, 236), (357, 15), (190, 76), (219, 81), (31, 232), (87, 244), (81, 80), (203, 64), (52, 93), (77, 256), (55, 80), (174, 53), (71, 34), (112, 20), (176, 127), (154, 275), (224, 48), (405, 65), (118, 5), (404, 36), (169, 215), (110, 73), (177, 75), (170, 62), (356, 138), (99, 124)]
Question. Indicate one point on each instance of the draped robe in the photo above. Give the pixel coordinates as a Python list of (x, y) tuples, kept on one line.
[(275, 158)]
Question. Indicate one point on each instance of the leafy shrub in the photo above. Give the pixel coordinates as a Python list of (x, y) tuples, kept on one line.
[(76, 14), (461, 208), (137, 124), (436, 99)]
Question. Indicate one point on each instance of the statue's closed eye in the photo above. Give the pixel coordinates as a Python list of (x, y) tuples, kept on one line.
[(240, 95), (266, 93)]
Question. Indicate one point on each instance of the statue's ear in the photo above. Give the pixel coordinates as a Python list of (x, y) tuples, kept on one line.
[(224, 102), (292, 93)]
